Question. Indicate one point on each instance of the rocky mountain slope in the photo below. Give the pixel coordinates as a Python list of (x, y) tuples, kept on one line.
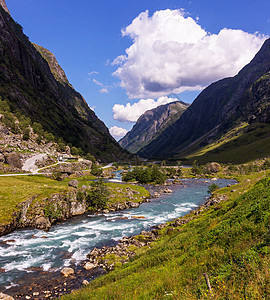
[(151, 124), (34, 85), (239, 104)]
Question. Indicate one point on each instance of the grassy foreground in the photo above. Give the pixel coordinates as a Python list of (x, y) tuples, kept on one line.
[(230, 242)]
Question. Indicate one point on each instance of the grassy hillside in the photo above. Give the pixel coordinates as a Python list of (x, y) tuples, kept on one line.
[(242, 144), (229, 241)]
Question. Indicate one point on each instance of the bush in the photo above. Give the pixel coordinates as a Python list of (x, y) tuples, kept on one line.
[(26, 134), (151, 174), (57, 176), (95, 170), (97, 197), (90, 157), (213, 187)]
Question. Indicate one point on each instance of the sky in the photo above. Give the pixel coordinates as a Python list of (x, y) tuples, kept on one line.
[(126, 57)]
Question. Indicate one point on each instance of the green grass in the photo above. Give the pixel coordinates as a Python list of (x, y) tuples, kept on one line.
[(119, 192), (17, 189), (230, 242), (252, 142)]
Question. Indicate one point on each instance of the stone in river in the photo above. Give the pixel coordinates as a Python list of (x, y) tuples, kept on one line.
[(137, 217), (66, 272), (5, 297)]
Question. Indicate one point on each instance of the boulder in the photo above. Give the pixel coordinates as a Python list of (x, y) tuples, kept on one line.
[(66, 272), (73, 183), (212, 167), (167, 191), (14, 159), (5, 297), (89, 266), (42, 223), (2, 158)]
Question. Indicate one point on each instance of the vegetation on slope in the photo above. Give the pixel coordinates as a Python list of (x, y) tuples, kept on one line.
[(229, 242), (240, 145), (29, 85)]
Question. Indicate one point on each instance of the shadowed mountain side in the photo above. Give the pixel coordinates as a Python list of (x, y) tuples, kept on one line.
[(38, 88), (151, 124), (218, 108)]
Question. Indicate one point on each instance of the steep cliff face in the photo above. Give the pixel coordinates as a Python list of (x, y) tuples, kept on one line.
[(38, 88), (220, 107), (151, 124)]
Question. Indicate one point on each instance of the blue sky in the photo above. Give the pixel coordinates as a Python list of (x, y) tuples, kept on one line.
[(86, 38)]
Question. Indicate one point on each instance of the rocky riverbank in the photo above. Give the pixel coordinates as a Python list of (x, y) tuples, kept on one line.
[(51, 285), (42, 214)]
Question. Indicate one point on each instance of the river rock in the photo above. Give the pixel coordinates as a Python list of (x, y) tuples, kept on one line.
[(85, 282), (133, 204), (42, 223), (66, 272), (167, 191), (73, 183), (5, 297), (89, 266)]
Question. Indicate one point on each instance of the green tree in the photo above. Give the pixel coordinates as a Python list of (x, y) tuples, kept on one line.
[(213, 187), (95, 170), (97, 197)]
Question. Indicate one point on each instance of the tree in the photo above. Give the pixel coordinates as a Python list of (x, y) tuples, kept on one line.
[(95, 170), (97, 197), (213, 187)]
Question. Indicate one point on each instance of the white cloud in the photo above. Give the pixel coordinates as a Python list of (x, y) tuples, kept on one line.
[(131, 112), (97, 82), (172, 53), (118, 132), (104, 91), (93, 73)]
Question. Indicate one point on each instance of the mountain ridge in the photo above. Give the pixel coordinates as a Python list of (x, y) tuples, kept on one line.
[(217, 108), (30, 88), (151, 124)]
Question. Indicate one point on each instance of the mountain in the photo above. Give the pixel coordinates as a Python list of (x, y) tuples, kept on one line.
[(228, 121), (151, 124), (34, 85)]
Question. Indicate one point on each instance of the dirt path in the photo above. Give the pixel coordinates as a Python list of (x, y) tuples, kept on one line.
[(30, 163)]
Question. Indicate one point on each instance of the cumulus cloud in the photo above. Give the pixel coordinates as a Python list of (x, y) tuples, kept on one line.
[(172, 53), (117, 132), (132, 112)]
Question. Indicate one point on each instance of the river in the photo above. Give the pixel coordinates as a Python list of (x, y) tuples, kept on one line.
[(69, 242)]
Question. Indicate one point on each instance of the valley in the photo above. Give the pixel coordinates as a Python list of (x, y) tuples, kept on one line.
[(176, 207)]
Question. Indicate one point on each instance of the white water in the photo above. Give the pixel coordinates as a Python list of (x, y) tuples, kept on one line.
[(70, 241)]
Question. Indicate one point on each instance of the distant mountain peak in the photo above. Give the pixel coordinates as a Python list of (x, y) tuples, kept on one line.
[(151, 124)]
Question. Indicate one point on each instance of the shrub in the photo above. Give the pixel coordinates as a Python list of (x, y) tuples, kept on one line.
[(213, 187), (57, 176), (95, 170), (97, 197), (26, 134)]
